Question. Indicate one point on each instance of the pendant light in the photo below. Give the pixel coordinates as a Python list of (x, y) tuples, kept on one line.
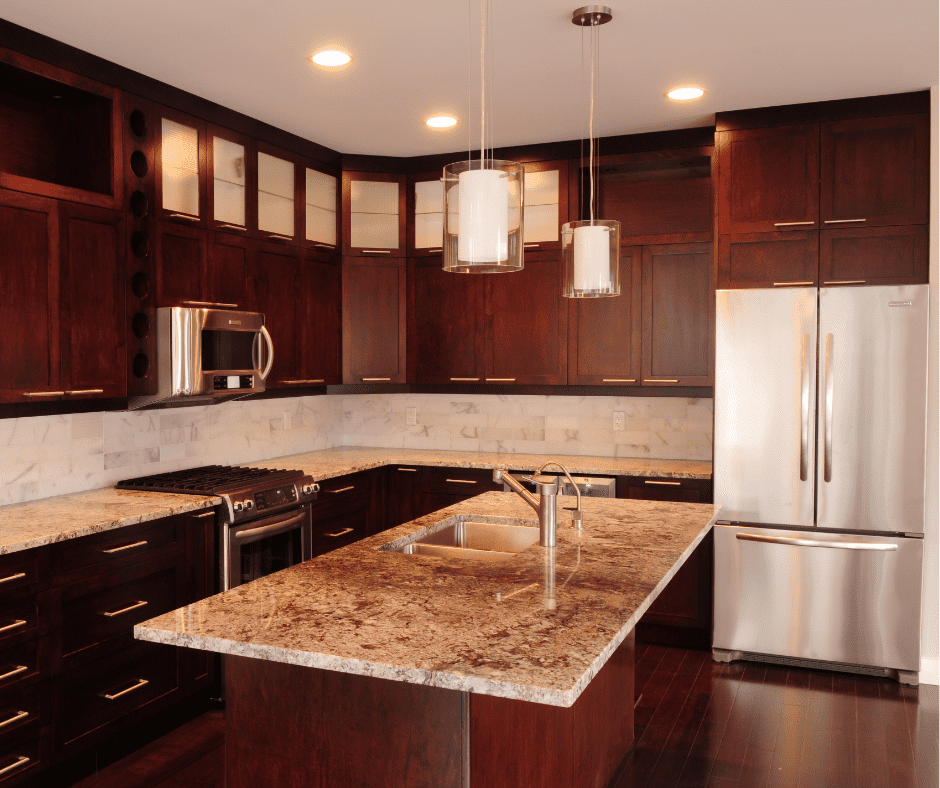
[(591, 247), (483, 201)]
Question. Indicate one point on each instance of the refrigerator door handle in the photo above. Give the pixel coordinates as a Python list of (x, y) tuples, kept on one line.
[(804, 410), (882, 547), (827, 449)]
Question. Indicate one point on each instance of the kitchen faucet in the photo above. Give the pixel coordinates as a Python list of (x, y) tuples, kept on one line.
[(545, 503)]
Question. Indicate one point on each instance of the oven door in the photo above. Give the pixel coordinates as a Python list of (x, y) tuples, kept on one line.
[(261, 547)]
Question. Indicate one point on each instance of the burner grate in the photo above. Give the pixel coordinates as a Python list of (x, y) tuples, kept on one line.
[(205, 480)]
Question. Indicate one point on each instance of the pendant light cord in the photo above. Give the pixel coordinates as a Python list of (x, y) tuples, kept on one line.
[(591, 125), (482, 80)]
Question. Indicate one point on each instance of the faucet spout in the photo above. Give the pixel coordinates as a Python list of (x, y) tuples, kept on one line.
[(544, 504)]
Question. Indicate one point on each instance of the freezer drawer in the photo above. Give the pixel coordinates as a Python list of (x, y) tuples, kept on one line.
[(819, 596)]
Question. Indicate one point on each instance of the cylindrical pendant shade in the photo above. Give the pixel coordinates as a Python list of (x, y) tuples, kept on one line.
[(591, 253), (483, 216)]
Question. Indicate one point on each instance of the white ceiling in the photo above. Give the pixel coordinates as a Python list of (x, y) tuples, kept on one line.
[(411, 59)]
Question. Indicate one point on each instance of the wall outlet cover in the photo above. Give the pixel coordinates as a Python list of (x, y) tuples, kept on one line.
[(411, 416), (618, 420)]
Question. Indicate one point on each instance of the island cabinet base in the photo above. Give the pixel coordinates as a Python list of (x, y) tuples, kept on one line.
[(299, 727)]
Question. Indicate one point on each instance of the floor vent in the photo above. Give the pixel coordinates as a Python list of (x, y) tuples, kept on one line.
[(796, 662)]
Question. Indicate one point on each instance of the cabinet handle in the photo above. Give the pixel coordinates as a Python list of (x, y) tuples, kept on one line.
[(792, 284), (210, 303), (86, 391), (125, 609), (344, 531), (408, 470), (843, 221), (465, 380), (43, 393), (279, 237), (231, 226), (436, 249), (460, 481), (343, 489), (376, 251), (531, 246), (19, 762), (18, 623), (124, 547), (673, 484), (376, 379), (204, 514), (325, 246), (318, 380), (660, 380), (845, 282), (185, 216), (18, 716), (15, 672), (17, 576), (500, 380), (791, 224), (140, 683), (619, 380)]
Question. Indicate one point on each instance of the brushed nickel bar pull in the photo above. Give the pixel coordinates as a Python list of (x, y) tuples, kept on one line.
[(17, 576), (341, 533), (281, 237), (464, 380), (20, 762), (408, 470), (436, 249), (322, 245), (376, 380), (460, 481), (204, 514), (671, 484), (792, 284), (343, 489), (660, 380), (86, 391), (500, 380), (18, 716), (318, 380), (376, 251), (827, 455), (15, 672), (619, 380), (210, 303), (231, 226), (804, 409), (125, 609), (531, 246), (140, 683), (880, 547), (844, 282), (43, 393), (843, 221), (792, 224), (16, 624), (125, 547), (185, 216)]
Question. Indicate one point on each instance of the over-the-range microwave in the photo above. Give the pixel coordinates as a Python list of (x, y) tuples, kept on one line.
[(206, 356)]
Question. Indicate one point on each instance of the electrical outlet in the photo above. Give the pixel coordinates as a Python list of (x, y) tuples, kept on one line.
[(286, 420), (618, 420), (411, 416)]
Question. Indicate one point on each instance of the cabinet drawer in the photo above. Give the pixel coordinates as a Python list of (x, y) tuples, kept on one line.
[(21, 755), (676, 490), (92, 613), (466, 482), (22, 662), (23, 710), (20, 616), (115, 686), (335, 532), (341, 495), (17, 570)]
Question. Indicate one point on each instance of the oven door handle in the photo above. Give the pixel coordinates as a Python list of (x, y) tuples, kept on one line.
[(273, 528)]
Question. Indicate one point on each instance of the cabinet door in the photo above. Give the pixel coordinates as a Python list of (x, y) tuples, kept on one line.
[(274, 273), (768, 179), (545, 207), (91, 245), (373, 214), (768, 260), (374, 321), (320, 319), (279, 195), (425, 206), (678, 315), (231, 181), (321, 209), (181, 265), (447, 315), (874, 255), (875, 171), (527, 324), (181, 168), (402, 484), (29, 298), (604, 333), (228, 271)]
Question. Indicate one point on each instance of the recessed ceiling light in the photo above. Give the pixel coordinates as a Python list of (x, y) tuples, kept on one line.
[(441, 121), (685, 94), (331, 58)]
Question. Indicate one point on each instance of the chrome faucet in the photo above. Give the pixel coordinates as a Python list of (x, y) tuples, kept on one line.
[(545, 503)]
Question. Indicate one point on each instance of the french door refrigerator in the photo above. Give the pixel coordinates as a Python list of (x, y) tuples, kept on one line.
[(820, 452)]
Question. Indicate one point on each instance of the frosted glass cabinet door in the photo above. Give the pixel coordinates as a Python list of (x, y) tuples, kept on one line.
[(540, 206), (228, 182), (275, 195), (429, 214), (374, 216), (180, 165), (321, 207)]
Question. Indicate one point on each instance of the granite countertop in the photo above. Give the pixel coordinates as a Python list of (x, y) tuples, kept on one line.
[(37, 523), (467, 625), (329, 463)]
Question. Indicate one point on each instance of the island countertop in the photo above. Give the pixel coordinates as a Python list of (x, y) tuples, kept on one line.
[(468, 625)]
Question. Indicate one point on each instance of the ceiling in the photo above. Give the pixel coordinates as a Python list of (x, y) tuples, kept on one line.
[(412, 58)]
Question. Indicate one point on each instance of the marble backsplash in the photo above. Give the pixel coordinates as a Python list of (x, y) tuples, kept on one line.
[(52, 455)]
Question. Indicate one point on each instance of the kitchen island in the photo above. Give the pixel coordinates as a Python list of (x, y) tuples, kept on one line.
[(372, 667)]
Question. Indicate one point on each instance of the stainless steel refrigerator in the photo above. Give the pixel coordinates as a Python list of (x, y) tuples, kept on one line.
[(820, 452)]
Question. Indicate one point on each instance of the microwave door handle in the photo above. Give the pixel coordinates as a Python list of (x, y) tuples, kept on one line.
[(270, 344)]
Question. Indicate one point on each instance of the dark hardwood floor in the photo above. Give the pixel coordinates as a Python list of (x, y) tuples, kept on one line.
[(698, 724)]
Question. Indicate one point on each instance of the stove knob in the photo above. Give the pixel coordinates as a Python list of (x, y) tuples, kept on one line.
[(249, 504), (237, 506), (310, 489)]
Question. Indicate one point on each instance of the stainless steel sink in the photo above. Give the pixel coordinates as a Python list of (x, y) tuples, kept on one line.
[(471, 539)]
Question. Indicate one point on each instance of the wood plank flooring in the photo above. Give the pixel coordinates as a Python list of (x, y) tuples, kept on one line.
[(698, 724)]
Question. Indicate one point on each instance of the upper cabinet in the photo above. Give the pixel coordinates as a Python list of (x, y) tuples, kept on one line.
[(61, 133), (280, 210), (425, 214), (545, 204), (181, 192), (320, 205), (232, 190), (373, 214)]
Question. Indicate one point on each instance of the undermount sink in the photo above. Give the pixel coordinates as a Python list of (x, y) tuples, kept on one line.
[(459, 538)]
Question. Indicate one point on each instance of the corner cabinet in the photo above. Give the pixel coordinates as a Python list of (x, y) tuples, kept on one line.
[(374, 206)]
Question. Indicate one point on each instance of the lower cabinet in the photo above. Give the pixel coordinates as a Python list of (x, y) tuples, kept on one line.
[(347, 509)]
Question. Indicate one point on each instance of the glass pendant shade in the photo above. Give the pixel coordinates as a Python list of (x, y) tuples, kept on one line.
[(483, 216), (591, 253)]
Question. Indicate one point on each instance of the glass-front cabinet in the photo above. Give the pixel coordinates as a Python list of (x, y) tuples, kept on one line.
[(230, 182), (277, 190), (374, 214), (426, 214), (545, 204), (320, 204), (182, 167)]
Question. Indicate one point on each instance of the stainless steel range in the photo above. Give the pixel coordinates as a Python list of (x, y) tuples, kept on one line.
[(264, 520)]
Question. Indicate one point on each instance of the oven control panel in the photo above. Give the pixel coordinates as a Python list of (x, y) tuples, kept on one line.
[(275, 497)]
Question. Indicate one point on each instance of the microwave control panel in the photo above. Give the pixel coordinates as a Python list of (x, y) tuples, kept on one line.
[(233, 382), (277, 496)]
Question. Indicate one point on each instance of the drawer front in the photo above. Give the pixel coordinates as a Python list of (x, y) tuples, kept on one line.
[(675, 490), (20, 663), (332, 533), (115, 686), (18, 570), (112, 611), (23, 754), (466, 482), (342, 495), (18, 617), (23, 710)]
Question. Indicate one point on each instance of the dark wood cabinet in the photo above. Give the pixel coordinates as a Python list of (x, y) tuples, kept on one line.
[(228, 263), (442, 487), (645, 488), (180, 168), (545, 204), (875, 171), (874, 255), (319, 315), (768, 259), (274, 274), (678, 315), (446, 318), (402, 494), (526, 326), (231, 182), (374, 209), (374, 320), (279, 196), (348, 508), (768, 179), (604, 334), (181, 266)]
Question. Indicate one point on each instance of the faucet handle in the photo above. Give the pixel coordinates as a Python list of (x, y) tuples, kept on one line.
[(576, 518)]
